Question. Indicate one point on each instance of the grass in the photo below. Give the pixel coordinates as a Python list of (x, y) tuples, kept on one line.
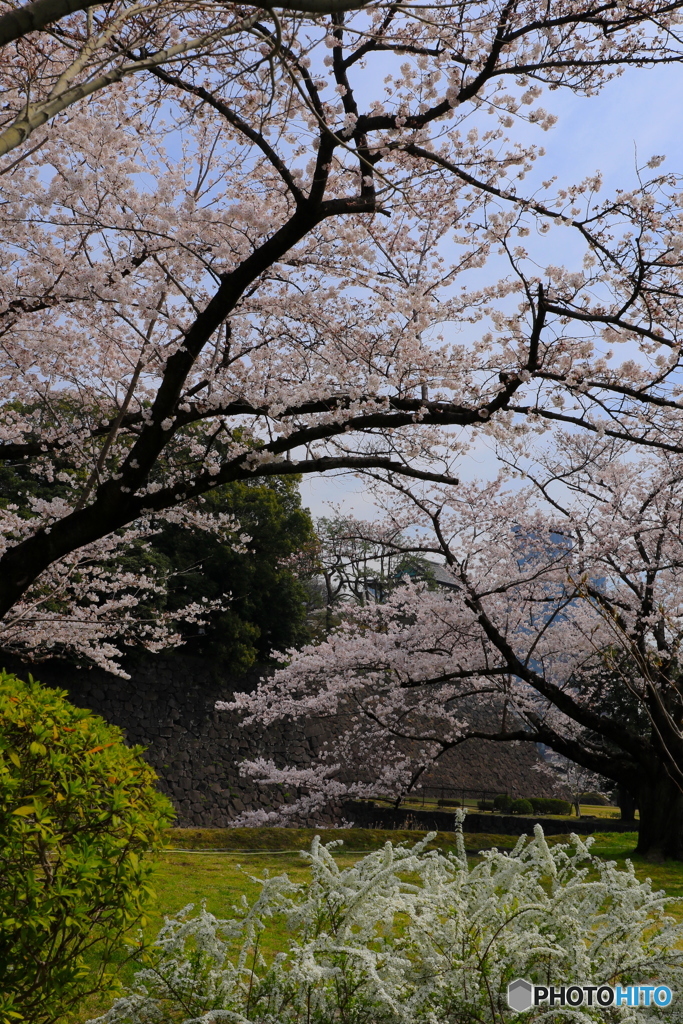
[(599, 811), (667, 875), (245, 840), (215, 865), (277, 851)]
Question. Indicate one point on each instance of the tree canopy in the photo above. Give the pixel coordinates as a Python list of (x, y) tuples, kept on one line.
[(234, 273), (564, 615), (240, 246)]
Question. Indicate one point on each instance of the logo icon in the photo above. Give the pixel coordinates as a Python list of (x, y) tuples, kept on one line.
[(520, 995)]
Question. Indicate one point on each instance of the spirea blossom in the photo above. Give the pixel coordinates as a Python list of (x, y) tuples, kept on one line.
[(411, 935)]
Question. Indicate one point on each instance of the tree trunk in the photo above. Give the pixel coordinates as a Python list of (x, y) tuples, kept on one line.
[(660, 833), (627, 804)]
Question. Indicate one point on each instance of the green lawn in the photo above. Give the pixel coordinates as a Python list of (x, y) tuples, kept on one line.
[(215, 864)]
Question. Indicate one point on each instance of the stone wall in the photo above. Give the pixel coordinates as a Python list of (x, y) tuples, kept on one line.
[(509, 767), (168, 706)]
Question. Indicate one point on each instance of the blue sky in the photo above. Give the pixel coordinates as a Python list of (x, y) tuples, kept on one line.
[(643, 109)]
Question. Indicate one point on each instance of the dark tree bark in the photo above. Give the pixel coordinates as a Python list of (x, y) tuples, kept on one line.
[(660, 832), (33, 17), (627, 804)]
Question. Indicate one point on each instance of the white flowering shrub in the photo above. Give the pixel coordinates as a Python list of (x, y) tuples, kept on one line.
[(411, 935)]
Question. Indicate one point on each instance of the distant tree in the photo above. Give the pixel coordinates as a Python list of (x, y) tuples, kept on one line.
[(582, 640), (264, 601), (357, 562), (576, 779)]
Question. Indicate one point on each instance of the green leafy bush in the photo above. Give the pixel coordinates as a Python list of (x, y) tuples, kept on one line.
[(595, 799), (78, 812), (550, 805), (502, 803), (521, 806), (407, 936), (485, 805)]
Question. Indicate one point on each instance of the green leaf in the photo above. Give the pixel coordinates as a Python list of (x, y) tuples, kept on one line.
[(95, 892)]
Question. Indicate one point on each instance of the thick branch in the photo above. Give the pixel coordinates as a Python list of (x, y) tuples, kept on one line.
[(113, 509), (38, 15), (560, 698)]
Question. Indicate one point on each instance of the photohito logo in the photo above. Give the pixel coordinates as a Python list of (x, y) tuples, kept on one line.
[(522, 995)]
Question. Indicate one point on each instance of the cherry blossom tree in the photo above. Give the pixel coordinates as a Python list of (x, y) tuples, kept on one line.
[(90, 604), (47, 73), (252, 257), (559, 589)]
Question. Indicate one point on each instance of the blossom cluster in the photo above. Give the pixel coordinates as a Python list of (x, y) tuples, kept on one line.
[(237, 244), (562, 621)]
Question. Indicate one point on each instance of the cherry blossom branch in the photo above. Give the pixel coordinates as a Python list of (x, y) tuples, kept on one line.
[(34, 115), (37, 15)]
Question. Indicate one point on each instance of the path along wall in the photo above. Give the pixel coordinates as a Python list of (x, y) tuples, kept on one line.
[(366, 814)]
